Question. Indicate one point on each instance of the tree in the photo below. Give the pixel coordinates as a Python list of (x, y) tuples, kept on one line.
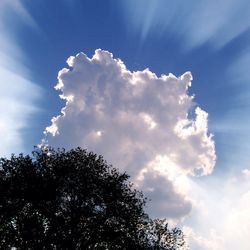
[(161, 237), (57, 199)]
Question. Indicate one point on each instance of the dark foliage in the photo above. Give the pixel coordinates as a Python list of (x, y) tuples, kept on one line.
[(74, 200)]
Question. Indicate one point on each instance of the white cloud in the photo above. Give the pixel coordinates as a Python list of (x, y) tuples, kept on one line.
[(139, 122), (219, 219), (145, 124), (237, 227), (212, 241), (246, 172), (168, 188)]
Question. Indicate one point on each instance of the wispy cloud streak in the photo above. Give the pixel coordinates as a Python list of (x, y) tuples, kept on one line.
[(197, 22), (17, 93)]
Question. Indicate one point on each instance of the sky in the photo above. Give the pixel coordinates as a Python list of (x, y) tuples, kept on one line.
[(160, 88)]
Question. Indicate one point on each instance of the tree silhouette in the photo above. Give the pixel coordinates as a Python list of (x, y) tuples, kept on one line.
[(57, 199)]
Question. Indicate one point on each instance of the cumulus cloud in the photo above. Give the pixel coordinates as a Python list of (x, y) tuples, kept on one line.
[(168, 187), (132, 119)]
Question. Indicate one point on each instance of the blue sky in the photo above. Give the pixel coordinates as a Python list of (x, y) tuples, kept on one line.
[(210, 39)]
